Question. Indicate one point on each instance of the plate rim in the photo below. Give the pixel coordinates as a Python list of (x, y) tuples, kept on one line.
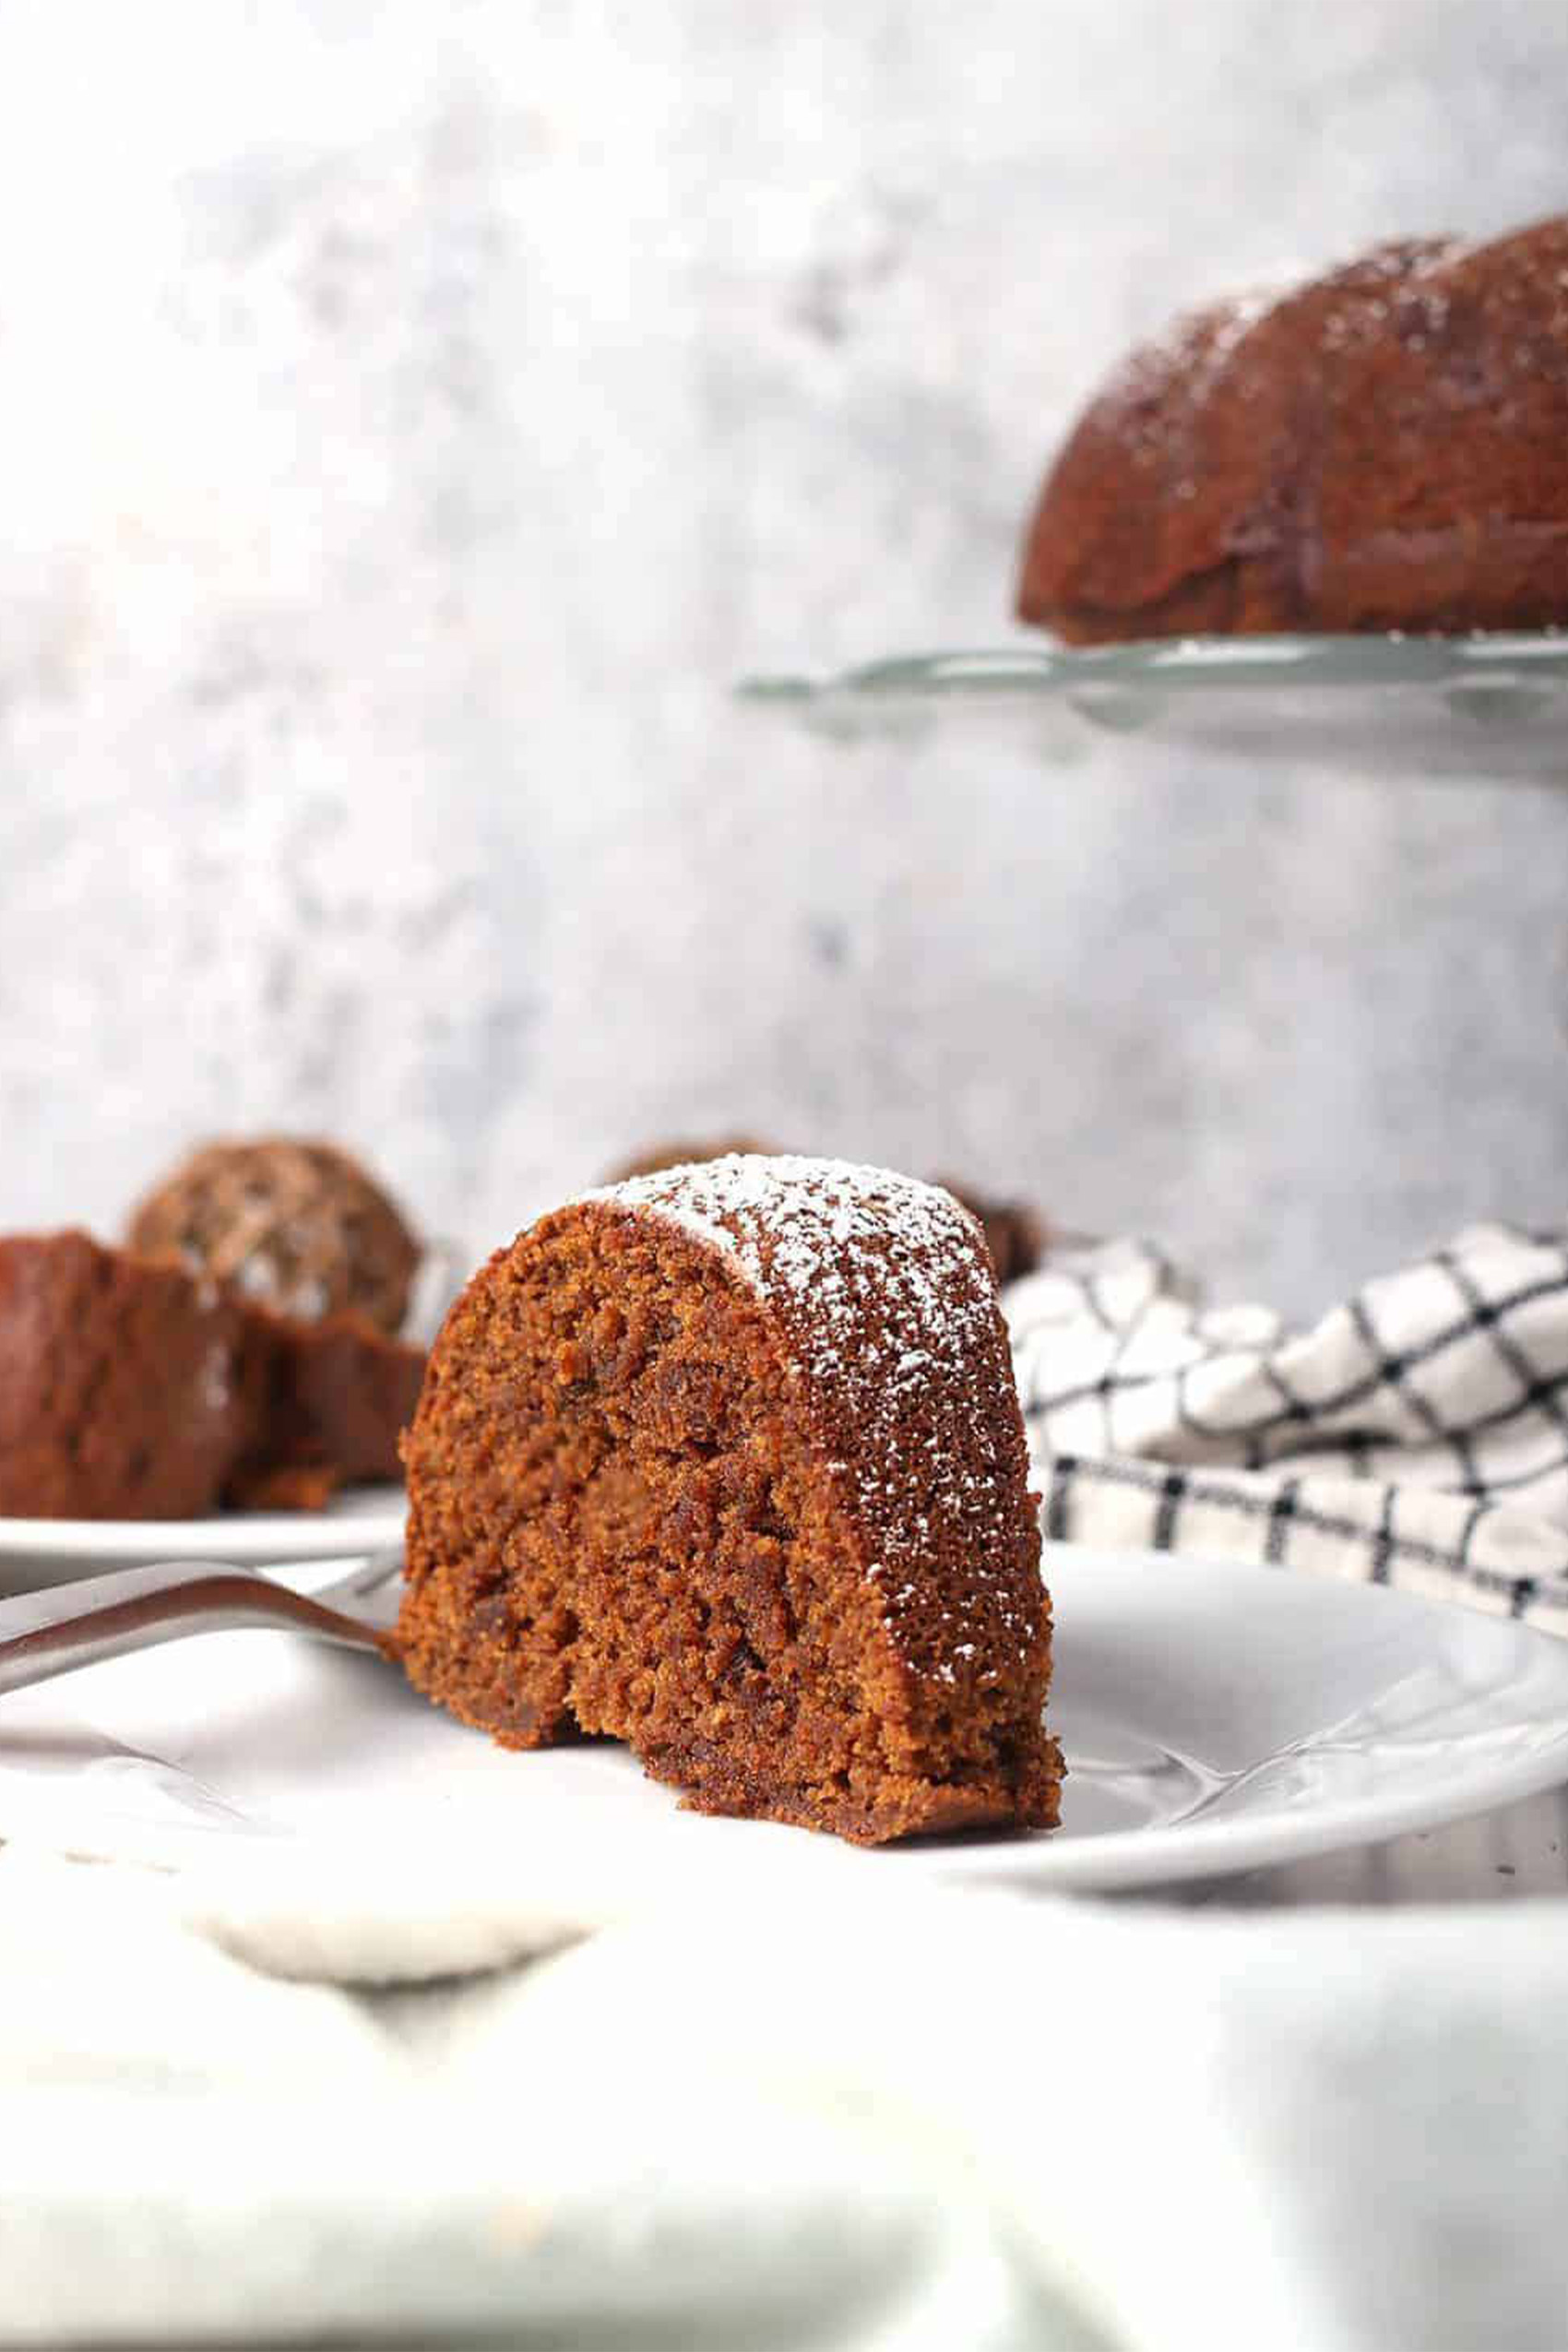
[(1145, 1858), (355, 1521), (1118, 1860), (1115, 1861), (1477, 657)]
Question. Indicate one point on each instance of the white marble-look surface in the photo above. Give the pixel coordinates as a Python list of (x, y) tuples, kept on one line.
[(413, 416)]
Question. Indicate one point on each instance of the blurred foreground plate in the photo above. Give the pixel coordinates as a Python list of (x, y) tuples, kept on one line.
[(1214, 1717), (52, 1551), (1487, 707)]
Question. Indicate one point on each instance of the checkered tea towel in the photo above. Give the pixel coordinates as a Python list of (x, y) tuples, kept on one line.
[(1417, 1435)]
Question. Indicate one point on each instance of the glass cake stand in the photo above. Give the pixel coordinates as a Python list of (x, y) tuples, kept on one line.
[(1485, 707)]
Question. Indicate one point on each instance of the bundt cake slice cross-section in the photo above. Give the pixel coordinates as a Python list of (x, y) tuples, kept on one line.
[(727, 1462)]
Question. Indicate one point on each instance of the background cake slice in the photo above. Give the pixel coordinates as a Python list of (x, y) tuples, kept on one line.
[(332, 1397), (727, 1462), (131, 1388), (294, 1224), (122, 1395)]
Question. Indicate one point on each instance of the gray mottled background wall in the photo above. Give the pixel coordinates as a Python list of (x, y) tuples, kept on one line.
[(411, 418)]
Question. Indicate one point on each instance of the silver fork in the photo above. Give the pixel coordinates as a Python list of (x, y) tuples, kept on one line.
[(80, 1625)]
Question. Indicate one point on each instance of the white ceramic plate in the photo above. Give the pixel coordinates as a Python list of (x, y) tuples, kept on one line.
[(41, 1551), (1214, 1718), (1489, 707)]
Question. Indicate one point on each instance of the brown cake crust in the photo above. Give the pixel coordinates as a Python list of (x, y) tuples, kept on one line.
[(292, 1224), (1016, 1235), (120, 1389), (1385, 447), (687, 1153), (727, 1463), (131, 1390)]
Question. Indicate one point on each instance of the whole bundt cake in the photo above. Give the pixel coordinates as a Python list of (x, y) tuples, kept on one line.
[(1385, 447), (297, 1225), (727, 1462)]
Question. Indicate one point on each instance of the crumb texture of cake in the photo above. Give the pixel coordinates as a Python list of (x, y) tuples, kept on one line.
[(1383, 447), (132, 1389), (295, 1224), (332, 1399), (727, 1462)]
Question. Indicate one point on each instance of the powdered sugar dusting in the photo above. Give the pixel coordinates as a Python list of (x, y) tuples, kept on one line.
[(828, 1230), (884, 1293), (1488, 325)]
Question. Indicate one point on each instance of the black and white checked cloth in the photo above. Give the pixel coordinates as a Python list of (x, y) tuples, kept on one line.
[(1417, 1435)]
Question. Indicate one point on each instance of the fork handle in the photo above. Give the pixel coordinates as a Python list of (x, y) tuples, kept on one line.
[(53, 1632)]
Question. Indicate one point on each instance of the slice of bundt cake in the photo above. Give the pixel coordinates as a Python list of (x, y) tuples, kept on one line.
[(727, 1462), (292, 1223), (333, 1396), (131, 1388), (121, 1391)]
